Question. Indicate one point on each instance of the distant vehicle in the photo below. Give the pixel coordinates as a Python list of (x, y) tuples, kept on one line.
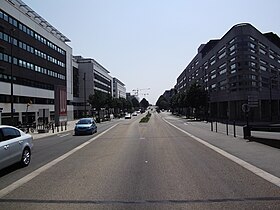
[(127, 116), (15, 146), (134, 114), (85, 126)]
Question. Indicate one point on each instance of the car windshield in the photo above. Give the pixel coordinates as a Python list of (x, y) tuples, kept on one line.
[(84, 121)]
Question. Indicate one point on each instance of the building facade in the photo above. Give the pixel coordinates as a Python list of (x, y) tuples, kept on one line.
[(89, 76), (35, 67), (243, 67), (119, 90)]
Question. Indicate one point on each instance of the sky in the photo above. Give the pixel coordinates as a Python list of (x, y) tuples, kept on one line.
[(146, 44)]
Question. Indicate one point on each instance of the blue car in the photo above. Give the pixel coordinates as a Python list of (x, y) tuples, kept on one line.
[(85, 126)]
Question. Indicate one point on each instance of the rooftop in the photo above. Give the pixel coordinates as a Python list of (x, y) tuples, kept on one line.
[(25, 9)]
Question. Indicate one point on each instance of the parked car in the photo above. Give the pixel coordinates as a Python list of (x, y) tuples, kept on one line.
[(134, 114), (85, 126), (127, 116), (15, 146)]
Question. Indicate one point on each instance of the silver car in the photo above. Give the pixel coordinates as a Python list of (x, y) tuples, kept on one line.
[(15, 146), (85, 126)]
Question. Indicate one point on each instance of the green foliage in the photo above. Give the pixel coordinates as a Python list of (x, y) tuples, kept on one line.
[(135, 102), (162, 103), (144, 103), (103, 100), (194, 97), (146, 118)]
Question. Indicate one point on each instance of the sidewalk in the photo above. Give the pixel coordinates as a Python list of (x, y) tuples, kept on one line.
[(257, 154), (70, 127)]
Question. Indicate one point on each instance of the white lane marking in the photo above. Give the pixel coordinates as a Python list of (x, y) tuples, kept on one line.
[(259, 172), (142, 138), (65, 135), (37, 172), (186, 123)]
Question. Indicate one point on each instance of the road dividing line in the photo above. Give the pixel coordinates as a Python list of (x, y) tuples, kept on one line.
[(37, 172), (64, 135), (259, 172)]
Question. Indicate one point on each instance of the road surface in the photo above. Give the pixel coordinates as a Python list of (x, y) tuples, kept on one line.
[(138, 166)]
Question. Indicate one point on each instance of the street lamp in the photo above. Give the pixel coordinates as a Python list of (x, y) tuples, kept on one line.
[(12, 77), (270, 96)]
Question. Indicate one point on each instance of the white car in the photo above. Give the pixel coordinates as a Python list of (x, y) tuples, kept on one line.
[(127, 116), (15, 146)]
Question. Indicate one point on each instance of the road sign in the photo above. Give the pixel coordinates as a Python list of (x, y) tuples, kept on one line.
[(245, 108)]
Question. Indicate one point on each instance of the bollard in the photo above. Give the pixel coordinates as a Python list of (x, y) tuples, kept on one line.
[(57, 128), (227, 128), (61, 126), (52, 128), (234, 131), (216, 126), (66, 125), (211, 125)]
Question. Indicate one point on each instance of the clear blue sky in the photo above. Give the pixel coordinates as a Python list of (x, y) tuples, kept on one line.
[(148, 43)]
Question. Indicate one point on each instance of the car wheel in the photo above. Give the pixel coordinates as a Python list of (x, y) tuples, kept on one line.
[(26, 157)]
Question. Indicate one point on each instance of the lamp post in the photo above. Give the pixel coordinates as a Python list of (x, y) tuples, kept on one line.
[(12, 79)]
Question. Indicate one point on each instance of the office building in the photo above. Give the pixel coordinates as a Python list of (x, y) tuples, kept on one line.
[(89, 76), (243, 67), (35, 67), (119, 90)]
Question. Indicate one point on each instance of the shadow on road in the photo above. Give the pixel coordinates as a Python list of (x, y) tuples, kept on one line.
[(10, 169), (270, 142)]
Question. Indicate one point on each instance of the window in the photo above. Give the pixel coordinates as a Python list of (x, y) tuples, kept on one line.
[(222, 55), (262, 45), (222, 66), (252, 64), (271, 56), (212, 62), (262, 51), (263, 62), (233, 66), (232, 48), (253, 39), (252, 57), (231, 41), (263, 68), (10, 133), (213, 86), (223, 71), (251, 45), (221, 50), (213, 76)]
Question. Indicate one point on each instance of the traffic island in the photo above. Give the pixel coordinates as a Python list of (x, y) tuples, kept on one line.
[(146, 118)]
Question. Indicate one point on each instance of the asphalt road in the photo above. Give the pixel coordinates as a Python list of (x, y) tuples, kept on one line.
[(138, 166)]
